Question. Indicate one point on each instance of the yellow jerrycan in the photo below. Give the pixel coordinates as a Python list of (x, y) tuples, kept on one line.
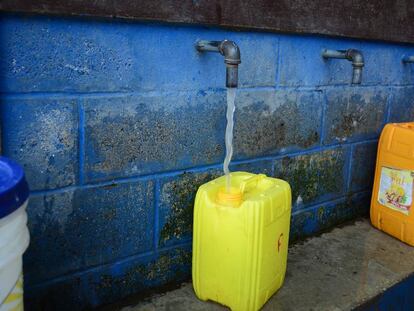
[(240, 239)]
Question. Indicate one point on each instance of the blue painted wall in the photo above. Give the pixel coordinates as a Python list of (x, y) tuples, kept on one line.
[(398, 297), (118, 123)]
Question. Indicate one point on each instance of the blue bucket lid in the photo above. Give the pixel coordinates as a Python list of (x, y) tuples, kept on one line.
[(14, 190)]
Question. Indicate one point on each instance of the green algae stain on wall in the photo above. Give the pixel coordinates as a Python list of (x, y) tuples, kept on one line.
[(177, 203), (313, 176), (166, 263), (144, 273), (327, 215)]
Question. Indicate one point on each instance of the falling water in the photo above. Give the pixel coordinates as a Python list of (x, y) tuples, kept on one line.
[(231, 95)]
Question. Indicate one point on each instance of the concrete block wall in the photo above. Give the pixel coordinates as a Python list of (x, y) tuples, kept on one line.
[(118, 123)]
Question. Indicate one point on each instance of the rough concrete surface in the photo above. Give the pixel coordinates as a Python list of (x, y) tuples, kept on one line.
[(338, 270)]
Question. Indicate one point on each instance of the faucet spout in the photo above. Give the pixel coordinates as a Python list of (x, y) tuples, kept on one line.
[(354, 56), (357, 60), (231, 53)]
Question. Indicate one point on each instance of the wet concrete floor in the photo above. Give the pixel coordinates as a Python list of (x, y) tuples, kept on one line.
[(338, 270)]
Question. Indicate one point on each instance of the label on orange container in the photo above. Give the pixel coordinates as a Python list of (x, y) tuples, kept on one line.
[(396, 189)]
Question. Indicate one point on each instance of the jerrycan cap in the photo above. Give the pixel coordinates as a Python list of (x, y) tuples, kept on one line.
[(233, 196), (229, 196)]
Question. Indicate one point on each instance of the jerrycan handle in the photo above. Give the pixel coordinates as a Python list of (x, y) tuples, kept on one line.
[(409, 125), (251, 182)]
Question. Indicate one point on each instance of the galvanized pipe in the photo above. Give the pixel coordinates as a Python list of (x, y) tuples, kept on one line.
[(231, 53), (352, 55)]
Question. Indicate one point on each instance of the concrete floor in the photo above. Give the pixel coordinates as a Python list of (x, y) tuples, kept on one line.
[(338, 270)]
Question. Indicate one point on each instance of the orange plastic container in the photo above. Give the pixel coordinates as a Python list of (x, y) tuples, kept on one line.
[(392, 197)]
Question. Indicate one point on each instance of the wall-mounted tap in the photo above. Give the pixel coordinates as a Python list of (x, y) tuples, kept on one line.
[(408, 59), (231, 53), (352, 55)]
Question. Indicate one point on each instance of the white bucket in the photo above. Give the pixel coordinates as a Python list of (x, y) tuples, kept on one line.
[(14, 240)]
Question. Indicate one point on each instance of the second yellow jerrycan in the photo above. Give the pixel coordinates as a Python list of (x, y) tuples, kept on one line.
[(240, 239)]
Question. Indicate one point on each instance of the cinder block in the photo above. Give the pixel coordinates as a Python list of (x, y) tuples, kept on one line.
[(42, 135), (306, 223), (383, 64), (129, 277), (273, 122), (259, 58), (364, 157), (256, 167), (143, 134), (42, 54), (78, 229), (302, 64), (354, 114), (110, 283), (402, 104), (46, 54), (177, 204), (315, 176)]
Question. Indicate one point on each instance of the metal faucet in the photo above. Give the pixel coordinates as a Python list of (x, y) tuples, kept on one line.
[(408, 59), (231, 53), (352, 55)]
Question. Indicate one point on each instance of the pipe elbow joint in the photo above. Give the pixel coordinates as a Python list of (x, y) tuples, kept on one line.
[(352, 55), (230, 51), (357, 60), (355, 57)]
